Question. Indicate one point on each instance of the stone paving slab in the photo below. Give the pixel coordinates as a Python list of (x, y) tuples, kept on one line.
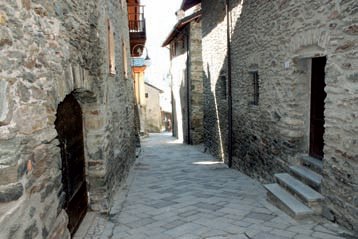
[(176, 191)]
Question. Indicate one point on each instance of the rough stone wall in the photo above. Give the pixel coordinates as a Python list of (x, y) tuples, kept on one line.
[(154, 114), (120, 104), (50, 50), (196, 83), (277, 39)]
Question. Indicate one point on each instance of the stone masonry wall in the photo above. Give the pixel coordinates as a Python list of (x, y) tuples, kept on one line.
[(278, 39), (49, 50)]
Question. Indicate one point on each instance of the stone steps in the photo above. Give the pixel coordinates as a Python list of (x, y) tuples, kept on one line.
[(307, 176), (306, 194), (312, 163), (297, 193), (288, 203)]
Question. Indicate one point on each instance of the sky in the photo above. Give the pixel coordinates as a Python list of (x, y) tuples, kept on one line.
[(160, 20)]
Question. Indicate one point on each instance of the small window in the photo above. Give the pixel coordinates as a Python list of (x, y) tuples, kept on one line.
[(176, 44), (256, 87), (146, 95), (111, 49), (223, 86), (125, 60), (172, 50)]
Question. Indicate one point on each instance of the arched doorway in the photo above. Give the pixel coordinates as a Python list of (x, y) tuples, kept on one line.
[(70, 134)]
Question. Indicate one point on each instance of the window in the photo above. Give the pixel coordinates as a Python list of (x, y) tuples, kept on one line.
[(125, 60), (223, 87), (255, 84), (146, 95), (111, 48), (172, 49)]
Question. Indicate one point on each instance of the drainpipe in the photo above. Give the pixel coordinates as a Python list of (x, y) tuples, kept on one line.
[(229, 80), (187, 34)]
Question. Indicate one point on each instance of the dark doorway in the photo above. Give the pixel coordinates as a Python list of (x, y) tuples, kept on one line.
[(70, 134), (317, 107)]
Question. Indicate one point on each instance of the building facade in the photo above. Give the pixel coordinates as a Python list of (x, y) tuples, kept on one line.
[(138, 37), (66, 113), (154, 113), (187, 74), (293, 71), (138, 69)]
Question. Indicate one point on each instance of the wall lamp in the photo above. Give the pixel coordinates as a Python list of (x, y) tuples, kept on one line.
[(138, 50)]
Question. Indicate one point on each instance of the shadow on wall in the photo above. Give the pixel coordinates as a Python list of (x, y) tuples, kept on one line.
[(215, 119), (184, 109), (174, 116), (254, 151)]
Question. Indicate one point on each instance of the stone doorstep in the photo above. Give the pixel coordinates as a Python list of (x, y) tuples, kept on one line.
[(92, 217), (86, 223), (286, 202), (8, 174), (10, 192), (307, 176), (305, 193), (312, 163)]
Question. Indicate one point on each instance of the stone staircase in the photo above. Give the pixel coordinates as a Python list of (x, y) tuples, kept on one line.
[(297, 193)]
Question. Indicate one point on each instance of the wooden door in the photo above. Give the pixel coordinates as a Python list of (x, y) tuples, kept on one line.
[(317, 107), (70, 134)]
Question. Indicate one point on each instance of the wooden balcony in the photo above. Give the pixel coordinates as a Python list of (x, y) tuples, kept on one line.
[(137, 29)]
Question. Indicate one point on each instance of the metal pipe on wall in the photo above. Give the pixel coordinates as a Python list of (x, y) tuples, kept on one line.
[(187, 34), (228, 27)]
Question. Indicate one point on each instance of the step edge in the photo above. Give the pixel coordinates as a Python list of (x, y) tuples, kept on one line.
[(306, 211), (316, 163), (319, 197), (317, 178)]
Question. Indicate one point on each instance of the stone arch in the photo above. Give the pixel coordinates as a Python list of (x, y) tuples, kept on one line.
[(93, 136), (91, 96), (308, 44)]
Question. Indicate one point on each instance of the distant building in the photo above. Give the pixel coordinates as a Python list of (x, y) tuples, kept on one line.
[(138, 69), (187, 75), (153, 110)]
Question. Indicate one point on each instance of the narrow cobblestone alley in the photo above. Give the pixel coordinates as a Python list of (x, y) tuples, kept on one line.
[(176, 191)]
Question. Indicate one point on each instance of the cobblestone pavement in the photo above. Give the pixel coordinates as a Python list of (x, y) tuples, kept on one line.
[(176, 191)]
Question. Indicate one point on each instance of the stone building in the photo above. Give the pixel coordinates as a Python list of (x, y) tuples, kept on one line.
[(154, 113), (66, 113), (186, 68), (289, 76)]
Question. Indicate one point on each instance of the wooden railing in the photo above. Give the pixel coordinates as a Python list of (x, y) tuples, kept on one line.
[(136, 18)]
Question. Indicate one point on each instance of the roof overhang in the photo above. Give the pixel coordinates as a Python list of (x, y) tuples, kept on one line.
[(154, 87), (180, 25), (186, 4)]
